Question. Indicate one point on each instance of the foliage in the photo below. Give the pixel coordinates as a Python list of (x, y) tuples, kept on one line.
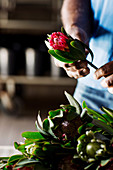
[(77, 135)]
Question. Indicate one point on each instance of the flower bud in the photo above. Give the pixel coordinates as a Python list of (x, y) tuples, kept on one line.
[(58, 41)]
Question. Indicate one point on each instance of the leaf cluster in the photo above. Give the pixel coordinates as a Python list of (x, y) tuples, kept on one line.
[(44, 148)]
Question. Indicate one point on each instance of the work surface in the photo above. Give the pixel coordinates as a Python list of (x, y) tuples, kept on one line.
[(6, 151), (11, 128)]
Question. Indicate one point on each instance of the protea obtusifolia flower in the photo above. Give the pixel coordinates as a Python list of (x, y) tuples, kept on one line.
[(66, 129), (58, 41), (66, 49)]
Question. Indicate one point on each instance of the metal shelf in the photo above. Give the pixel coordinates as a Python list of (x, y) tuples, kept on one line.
[(54, 81)]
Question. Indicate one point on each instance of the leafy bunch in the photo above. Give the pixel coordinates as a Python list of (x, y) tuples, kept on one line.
[(72, 137)]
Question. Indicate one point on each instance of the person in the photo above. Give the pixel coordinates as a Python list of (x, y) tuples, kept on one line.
[(91, 21)]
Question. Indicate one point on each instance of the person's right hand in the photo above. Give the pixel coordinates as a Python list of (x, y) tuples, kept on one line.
[(79, 68)]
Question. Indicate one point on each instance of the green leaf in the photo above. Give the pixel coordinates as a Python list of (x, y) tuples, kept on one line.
[(53, 148), (46, 124), (39, 119), (2, 165), (78, 46), (101, 137), (84, 105), (89, 166), (83, 113), (67, 106), (21, 148), (72, 115), (81, 138), (68, 145), (108, 118), (66, 55), (108, 111), (15, 158), (104, 162), (55, 113), (25, 162), (92, 112), (81, 129), (85, 46), (50, 128), (4, 158), (73, 102), (39, 129), (103, 125), (39, 153), (50, 122), (16, 145), (32, 135), (77, 51), (31, 141), (58, 57)]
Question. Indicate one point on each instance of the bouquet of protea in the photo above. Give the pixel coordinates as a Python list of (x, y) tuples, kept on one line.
[(66, 49), (70, 138)]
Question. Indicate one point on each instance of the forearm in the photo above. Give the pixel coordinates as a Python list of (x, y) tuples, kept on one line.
[(77, 14)]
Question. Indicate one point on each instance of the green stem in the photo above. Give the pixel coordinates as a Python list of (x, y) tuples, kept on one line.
[(92, 65)]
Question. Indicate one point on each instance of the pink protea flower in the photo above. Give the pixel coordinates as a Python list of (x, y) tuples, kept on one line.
[(58, 41), (66, 49)]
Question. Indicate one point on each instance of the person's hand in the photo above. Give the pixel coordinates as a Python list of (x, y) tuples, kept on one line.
[(107, 72), (77, 69)]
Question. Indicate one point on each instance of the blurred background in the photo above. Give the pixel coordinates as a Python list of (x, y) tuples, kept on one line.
[(29, 80)]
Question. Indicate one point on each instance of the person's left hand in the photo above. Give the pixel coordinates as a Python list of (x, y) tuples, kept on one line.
[(107, 72)]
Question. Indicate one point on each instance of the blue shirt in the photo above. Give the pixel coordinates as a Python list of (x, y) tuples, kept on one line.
[(101, 42)]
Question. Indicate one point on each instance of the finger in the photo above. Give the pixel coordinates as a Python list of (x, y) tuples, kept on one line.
[(69, 73), (105, 70), (72, 69), (59, 63), (110, 89), (82, 72), (108, 81), (79, 73), (78, 64)]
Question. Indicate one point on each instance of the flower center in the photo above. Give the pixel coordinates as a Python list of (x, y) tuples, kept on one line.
[(65, 123)]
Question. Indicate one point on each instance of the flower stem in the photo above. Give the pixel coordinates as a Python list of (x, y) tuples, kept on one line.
[(92, 65)]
